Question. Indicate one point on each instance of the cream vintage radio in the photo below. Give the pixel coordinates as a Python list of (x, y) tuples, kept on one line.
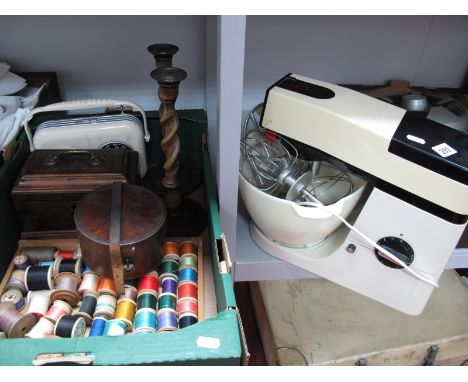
[(354, 189), (95, 132)]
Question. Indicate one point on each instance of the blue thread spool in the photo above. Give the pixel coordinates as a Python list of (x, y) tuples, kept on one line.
[(85, 269), (145, 319), (188, 274), (45, 263), (97, 327), (167, 320), (169, 285), (114, 328)]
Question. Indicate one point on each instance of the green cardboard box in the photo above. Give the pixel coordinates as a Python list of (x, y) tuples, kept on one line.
[(217, 340)]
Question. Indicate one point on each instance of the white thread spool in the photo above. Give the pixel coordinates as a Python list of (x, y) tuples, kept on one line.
[(39, 302), (42, 329), (89, 283)]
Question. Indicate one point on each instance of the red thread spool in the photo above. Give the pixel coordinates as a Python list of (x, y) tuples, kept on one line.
[(107, 286), (187, 289), (187, 305), (187, 247), (69, 255), (148, 282), (57, 310)]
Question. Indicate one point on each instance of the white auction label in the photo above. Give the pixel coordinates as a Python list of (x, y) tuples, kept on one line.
[(444, 150), (208, 342)]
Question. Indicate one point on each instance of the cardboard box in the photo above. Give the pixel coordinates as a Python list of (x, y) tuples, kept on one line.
[(217, 340)]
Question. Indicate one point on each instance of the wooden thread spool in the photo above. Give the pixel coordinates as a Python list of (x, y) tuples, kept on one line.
[(38, 278), (17, 280), (70, 327), (188, 247), (170, 251), (130, 293), (62, 265), (89, 283), (107, 286), (187, 289), (105, 306), (42, 329), (58, 309), (15, 296), (126, 312), (21, 262), (38, 254), (66, 288), (187, 305), (13, 323), (88, 307), (39, 302)]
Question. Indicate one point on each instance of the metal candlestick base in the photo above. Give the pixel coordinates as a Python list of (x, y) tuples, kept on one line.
[(189, 179)]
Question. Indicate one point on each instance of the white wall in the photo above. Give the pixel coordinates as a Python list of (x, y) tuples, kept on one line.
[(355, 50), (106, 56)]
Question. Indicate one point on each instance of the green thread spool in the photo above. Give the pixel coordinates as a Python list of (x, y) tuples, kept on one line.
[(168, 268), (188, 261), (146, 300), (167, 301)]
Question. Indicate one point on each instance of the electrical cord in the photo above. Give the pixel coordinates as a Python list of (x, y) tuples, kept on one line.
[(383, 251)]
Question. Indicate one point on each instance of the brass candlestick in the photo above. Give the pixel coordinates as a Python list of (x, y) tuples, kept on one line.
[(185, 216), (189, 177)]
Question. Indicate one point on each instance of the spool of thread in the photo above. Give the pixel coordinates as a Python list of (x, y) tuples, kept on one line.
[(15, 296), (147, 300), (85, 269), (149, 282), (57, 310), (88, 307), (46, 264), (188, 260), (38, 254), (187, 305), (13, 323), (66, 288), (187, 289), (187, 319), (107, 286), (188, 247), (97, 327), (21, 262), (126, 312), (167, 320), (188, 274), (105, 306), (170, 251), (38, 278), (167, 301), (42, 329), (114, 328), (89, 283), (145, 320), (39, 302), (69, 255), (168, 268), (130, 293), (70, 327), (2, 336), (67, 265), (169, 285), (17, 280)]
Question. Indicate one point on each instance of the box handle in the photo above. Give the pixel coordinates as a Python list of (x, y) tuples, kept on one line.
[(80, 105), (62, 359)]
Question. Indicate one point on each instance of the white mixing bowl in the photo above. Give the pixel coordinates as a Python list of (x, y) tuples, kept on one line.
[(294, 225)]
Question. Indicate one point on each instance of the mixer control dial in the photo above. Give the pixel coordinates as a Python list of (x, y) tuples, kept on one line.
[(397, 247)]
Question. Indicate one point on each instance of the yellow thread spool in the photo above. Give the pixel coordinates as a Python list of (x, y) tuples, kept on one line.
[(126, 312)]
